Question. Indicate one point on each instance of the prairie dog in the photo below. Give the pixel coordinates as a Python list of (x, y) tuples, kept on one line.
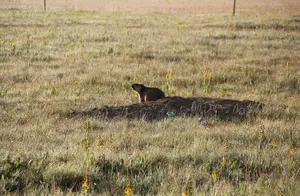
[(148, 93)]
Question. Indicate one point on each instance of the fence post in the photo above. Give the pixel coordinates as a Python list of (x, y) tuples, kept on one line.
[(233, 13), (45, 5)]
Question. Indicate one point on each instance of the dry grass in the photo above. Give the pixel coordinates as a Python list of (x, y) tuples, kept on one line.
[(57, 62)]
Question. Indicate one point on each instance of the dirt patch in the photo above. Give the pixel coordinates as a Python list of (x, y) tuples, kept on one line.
[(223, 109)]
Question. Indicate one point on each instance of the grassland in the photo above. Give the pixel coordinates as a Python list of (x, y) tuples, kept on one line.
[(53, 63)]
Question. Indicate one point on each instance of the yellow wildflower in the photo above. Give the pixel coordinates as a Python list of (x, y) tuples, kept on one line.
[(128, 190), (210, 76), (75, 82), (292, 150), (181, 27), (214, 175), (274, 143), (287, 64), (113, 148), (85, 185), (205, 76), (135, 78), (169, 75)]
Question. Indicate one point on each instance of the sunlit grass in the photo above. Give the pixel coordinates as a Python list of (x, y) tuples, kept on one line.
[(57, 62)]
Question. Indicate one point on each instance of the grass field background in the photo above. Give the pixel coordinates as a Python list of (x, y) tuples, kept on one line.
[(53, 63), (190, 6)]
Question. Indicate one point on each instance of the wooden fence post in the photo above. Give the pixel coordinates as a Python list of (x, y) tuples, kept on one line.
[(233, 13)]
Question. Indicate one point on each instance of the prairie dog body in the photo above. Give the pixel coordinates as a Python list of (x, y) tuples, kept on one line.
[(148, 93)]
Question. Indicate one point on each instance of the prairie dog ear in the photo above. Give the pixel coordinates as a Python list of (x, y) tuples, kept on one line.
[(137, 87)]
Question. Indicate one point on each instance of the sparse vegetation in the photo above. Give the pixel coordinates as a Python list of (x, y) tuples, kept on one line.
[(53, 63)]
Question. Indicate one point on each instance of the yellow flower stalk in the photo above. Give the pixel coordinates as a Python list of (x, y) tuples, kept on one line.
[(287, 64), (128, 190), (292, 151), (214, 175), (85, 185), (167, 76)]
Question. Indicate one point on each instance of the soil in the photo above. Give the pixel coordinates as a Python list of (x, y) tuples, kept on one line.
[(170, 107)]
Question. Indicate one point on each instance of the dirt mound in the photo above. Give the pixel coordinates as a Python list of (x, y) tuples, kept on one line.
[(224, 109)]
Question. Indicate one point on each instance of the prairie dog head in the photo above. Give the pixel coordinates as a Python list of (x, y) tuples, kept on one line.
[(138, 87)]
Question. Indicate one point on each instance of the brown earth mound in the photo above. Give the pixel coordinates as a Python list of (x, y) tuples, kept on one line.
[(224, 109)]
